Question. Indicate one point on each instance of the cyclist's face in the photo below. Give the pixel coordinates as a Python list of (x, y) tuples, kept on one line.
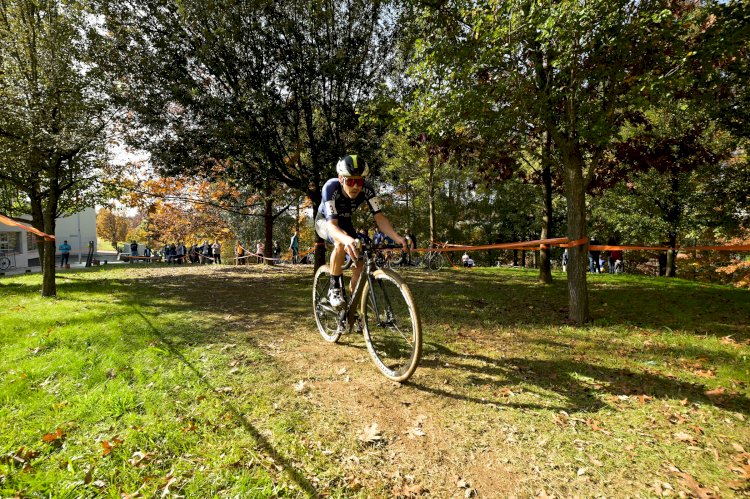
[(352, 185)]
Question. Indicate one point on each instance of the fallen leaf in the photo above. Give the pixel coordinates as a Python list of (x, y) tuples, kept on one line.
[(595, 461), (737, 447), (581, 471), (225, 389), (111, 373), (371, 434), (342, 370), (301, 387), (170, 480), (728, 340), (140, 458), (108, 446), (695, 487), (716, 392), (416, 432), (55, 438), (683, 437)]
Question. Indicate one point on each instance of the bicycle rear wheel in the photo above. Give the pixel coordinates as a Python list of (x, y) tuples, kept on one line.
[(392, 327), (437, 262), (4, 263), (326, 317)]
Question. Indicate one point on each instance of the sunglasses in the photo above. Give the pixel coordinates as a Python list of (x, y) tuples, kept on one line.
[(354, 181)]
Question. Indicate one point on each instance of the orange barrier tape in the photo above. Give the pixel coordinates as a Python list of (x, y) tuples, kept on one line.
[(517, 245), (579, 242), (744, 247), (606, 247)]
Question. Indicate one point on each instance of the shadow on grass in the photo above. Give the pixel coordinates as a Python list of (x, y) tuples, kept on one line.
[(262, 442), (561, 376), (517, 299)]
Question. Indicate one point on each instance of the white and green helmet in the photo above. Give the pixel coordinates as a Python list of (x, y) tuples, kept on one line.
[(349, 166)]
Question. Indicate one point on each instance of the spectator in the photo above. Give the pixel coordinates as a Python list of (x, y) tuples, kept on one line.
[(181, 251), (260, 250), (594, 259), (64, 254), (167, 253), (134, 249), (565, 260), (465, 260), (206, 253), (172, 253), (615, 261), (216, 248), (147, 252), (470, 262), (239, 251), (276, 251), (363, 235), (378, 238), (294, 246), (193, 253)]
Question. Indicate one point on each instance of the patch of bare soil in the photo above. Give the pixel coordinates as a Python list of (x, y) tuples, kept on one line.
[(396, 439)]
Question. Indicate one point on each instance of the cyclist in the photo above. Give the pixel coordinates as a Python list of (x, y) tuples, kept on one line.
[(333, 222)]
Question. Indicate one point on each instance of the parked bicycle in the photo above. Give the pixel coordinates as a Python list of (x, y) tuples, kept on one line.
[(431, 260), (5, 262), (382, 308)]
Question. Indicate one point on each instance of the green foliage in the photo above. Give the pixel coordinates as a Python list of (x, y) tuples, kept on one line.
[(269, 90)]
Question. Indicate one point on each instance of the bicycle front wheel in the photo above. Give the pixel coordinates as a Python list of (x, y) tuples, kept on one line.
[(392, 327), (4, 263), (326, 317)]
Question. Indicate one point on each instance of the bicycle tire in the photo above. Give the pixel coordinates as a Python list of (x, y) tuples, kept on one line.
[(327, 321), (437, 262), (391, 325), (347, 263), (4, 263)]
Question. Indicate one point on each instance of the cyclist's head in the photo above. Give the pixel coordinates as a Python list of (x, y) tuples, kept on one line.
[(351, 166)]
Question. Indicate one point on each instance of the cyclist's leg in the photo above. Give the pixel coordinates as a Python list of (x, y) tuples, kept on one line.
[(357, 268)]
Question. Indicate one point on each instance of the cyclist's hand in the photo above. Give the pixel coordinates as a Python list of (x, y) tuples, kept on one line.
[(405, 244), (350, 246)]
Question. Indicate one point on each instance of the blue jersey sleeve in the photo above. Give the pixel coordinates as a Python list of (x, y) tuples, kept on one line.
[(331, 191), (371, 197)]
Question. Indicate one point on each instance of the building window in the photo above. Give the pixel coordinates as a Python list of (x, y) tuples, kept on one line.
[(10, 242), (31, 241)]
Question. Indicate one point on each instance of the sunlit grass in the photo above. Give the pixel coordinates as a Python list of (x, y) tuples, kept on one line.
[(151, 378)]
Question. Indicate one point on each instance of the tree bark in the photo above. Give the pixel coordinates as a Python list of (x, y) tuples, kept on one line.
[(545, 267), (575, 194), (268, 226), (49, 285), (431, 200)]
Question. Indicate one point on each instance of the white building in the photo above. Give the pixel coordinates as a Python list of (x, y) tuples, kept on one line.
[(19, 242)]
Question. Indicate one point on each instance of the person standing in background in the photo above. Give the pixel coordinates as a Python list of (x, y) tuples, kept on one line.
[(294, 246), (64, 254)]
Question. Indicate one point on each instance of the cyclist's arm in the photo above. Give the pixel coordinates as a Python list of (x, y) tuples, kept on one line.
[(342, 237), (385, 226)]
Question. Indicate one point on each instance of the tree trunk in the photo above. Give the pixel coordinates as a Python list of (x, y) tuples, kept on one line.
[(575, 194), (37, 221), (671, 270), (49, 286), (431, 200), (268, 225), (320, 249), (545, 267)]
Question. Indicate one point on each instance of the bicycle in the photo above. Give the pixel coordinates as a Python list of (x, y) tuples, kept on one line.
[(382, 308), (432, 260), (4, 262)]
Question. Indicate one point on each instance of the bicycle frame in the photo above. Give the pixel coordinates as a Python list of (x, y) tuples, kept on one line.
[(348, 315)]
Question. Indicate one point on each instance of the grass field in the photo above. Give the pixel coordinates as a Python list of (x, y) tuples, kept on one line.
[(213, 381)]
